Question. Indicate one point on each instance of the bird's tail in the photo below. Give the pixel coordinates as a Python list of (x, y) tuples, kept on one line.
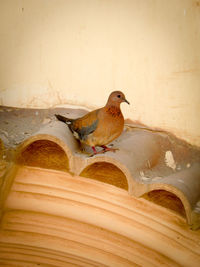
[(63, 119)]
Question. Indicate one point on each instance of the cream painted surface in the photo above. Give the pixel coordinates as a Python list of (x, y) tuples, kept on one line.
[(78, 51)]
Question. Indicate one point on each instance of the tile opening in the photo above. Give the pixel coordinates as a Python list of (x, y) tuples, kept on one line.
[(44, 154), (166, 199), (107, 173)]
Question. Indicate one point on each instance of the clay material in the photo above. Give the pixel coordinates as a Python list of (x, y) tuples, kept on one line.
[(61, 207)]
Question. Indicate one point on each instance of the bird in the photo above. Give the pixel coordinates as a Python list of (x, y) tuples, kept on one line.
[(101, 126)]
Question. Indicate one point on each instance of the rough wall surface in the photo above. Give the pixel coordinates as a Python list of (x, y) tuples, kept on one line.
[(63, 52)]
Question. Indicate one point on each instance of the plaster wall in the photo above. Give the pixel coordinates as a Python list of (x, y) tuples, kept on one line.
[(76, 52)]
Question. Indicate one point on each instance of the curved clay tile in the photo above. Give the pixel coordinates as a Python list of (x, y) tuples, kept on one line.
[(138, 152), (60, 207)]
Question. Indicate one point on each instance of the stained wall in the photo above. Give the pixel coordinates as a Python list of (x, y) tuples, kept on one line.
[(56, 52)]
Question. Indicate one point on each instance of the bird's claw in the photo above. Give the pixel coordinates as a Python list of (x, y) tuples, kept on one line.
[(104, 150), (109, 149)]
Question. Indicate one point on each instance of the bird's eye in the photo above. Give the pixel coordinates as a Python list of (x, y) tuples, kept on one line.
[(118, 96)]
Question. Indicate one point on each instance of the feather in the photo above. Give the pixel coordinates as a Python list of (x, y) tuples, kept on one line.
[(101, 126)]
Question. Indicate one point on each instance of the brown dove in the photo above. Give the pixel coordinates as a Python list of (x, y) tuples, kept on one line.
[(101, 126)]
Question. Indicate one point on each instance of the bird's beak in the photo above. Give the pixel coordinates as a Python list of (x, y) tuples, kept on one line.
[(126, 101)]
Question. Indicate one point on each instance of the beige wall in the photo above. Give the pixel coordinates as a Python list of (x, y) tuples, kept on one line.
[(77, 51)]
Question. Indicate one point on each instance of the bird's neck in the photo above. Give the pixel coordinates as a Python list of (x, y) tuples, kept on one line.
[(113, 110)]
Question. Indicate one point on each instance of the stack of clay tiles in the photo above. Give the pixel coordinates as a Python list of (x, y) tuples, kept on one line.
[(136, 207)]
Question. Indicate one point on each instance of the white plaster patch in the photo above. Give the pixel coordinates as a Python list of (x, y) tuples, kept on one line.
[(188, 165), (157, 178), (197, 207), (169, 160), (141, 173), (143, 177)]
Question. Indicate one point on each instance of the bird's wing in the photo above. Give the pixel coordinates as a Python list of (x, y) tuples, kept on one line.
[(86, 125)]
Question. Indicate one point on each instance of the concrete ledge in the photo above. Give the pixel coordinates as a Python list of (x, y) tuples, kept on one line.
[(61, 207), (138, 152)]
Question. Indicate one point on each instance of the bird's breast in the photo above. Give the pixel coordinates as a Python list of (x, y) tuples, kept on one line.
[(113, 111), (114, 119), (110, 126)]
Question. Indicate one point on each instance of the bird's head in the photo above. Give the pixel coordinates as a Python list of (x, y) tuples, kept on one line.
[(116, 98)]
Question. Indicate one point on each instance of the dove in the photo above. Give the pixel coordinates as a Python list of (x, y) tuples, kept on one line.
[(101, 126)]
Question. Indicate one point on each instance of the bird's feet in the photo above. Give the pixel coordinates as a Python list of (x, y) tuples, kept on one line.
[(105, 149)]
